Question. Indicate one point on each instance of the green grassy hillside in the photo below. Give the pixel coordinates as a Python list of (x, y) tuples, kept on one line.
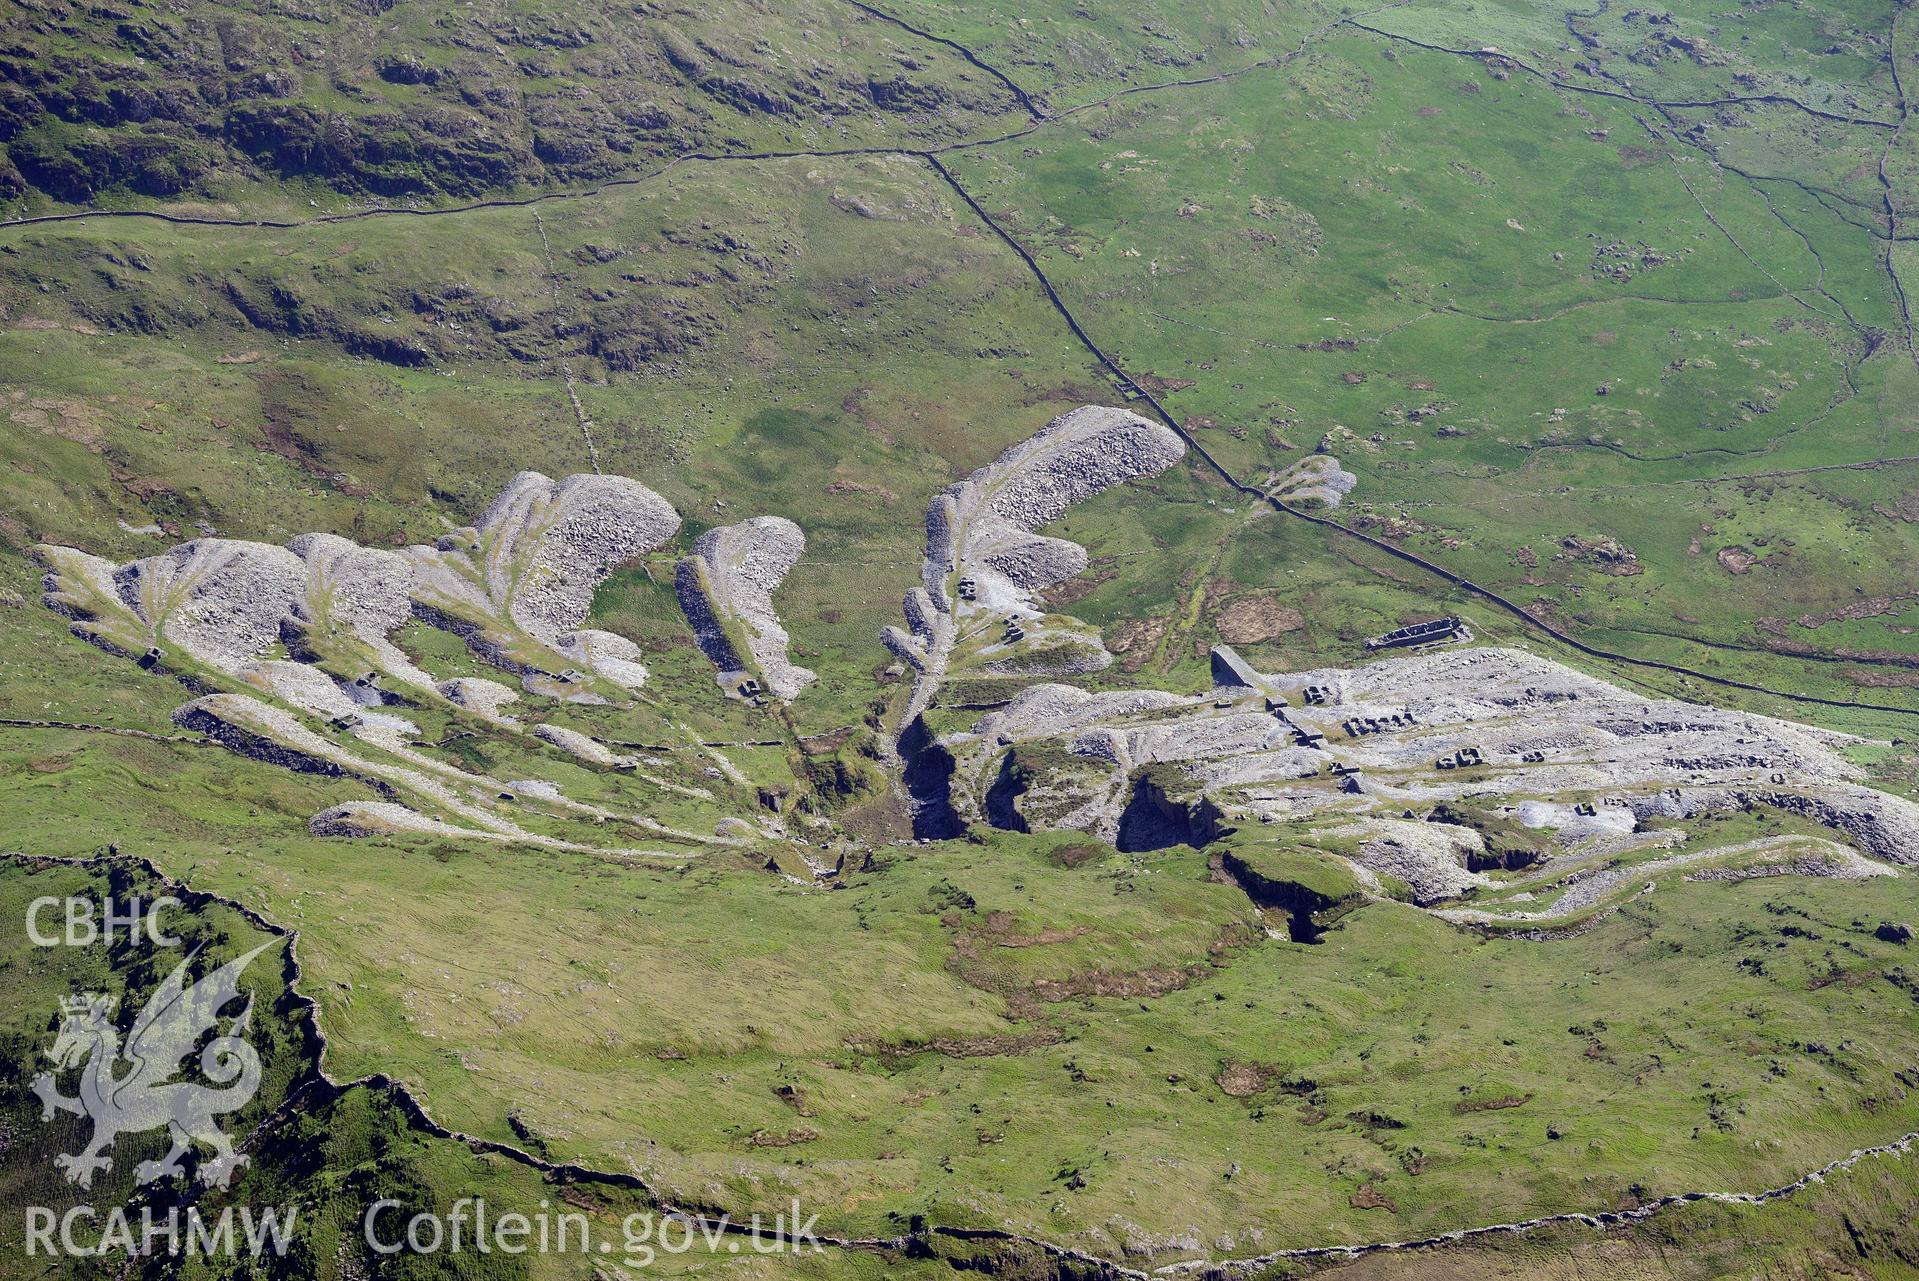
[(1607, 310)]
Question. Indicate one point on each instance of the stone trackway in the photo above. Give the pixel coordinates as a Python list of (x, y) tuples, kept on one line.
[(320, 1087), (561, 315), (117, 731), (196, 740)]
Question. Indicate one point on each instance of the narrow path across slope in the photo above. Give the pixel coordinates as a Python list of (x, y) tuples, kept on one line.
[(560, 314), (116, 731)]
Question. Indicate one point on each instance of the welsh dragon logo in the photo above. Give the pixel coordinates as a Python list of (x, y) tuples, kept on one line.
[(144, 1096)]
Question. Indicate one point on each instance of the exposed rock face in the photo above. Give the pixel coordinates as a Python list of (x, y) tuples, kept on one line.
[(1315, 481), (1887, 827), (1594, 883), (1347, 753), (726, 588)]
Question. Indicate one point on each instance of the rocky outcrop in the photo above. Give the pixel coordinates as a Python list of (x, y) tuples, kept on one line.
[(726, 589), (1315, 481)]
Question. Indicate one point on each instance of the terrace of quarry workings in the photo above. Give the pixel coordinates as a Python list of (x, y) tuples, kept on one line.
[(1415, 769)]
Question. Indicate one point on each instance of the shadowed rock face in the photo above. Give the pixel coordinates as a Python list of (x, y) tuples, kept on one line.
[(928, 774), (1151, 822), (726, 589), (249, 728)]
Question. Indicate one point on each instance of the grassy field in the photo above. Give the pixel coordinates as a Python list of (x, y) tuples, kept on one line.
[(1605, 358), (1714, 1035)]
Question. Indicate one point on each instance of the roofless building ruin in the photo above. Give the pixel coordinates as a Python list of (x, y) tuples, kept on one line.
[(1438, 631)]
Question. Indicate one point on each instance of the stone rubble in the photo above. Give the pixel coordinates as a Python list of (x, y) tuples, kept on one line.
[(1774, 855), (584, 746), (1430, 858), (1315, 481), (1504, 730), (547, 545), (730, 578), (479, 695), (218, 598), (980, 531), (1366, 750), (521, 580)]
